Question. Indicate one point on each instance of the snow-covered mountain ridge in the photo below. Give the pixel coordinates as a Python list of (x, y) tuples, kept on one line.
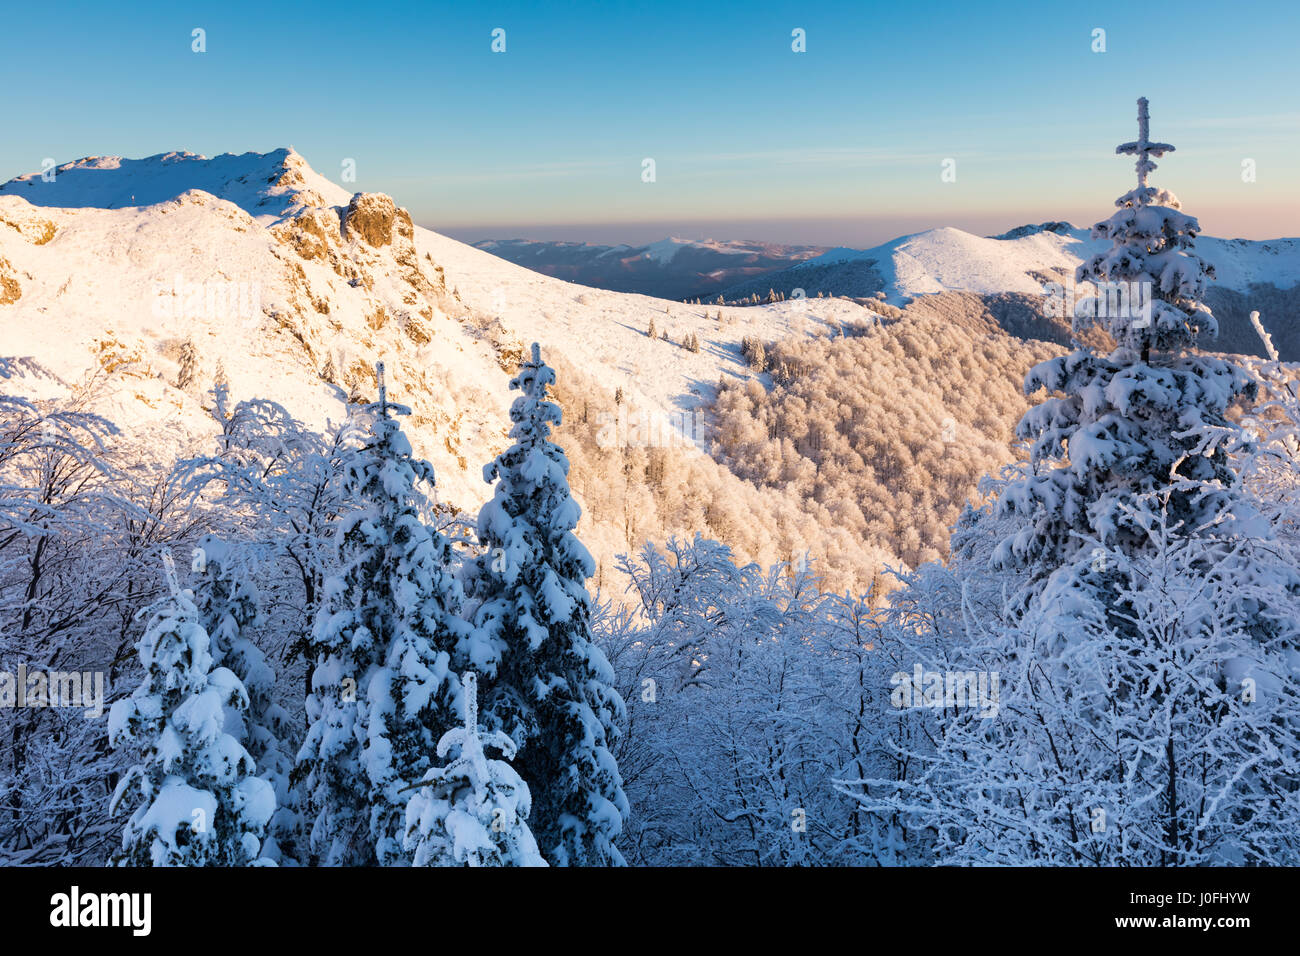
[(1019, 261), (294, 288), (270, 187), (291, 288)]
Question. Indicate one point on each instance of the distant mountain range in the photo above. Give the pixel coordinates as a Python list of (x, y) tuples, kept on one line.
[(289, 287), (1251, 274), (668, 269)]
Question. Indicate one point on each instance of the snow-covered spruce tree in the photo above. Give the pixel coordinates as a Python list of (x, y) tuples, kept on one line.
[(227, 602), (473, 811), (1146, 417), (201, 803), (383, 692), (551, 688), (1146, 659)]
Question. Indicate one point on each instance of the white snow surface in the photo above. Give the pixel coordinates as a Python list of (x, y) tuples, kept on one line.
[(947, 259), (130, 237), (95, 288)]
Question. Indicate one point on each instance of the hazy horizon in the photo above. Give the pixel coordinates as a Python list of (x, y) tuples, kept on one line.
[(852, 233), (842, 141)]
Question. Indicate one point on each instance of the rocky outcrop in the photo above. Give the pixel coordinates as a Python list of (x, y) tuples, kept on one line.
[(370, 217), (370, 244), (313, 234), (10, 290), (374, 219), (16, 214)]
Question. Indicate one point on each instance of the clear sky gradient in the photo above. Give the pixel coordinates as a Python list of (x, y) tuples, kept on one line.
[(842, 144)]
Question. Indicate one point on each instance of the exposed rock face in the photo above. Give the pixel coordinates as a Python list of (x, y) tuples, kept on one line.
[(374, 219), (10, 290), (370, 244), (19, 216), (370, 218), (310, 233), (369, 221)]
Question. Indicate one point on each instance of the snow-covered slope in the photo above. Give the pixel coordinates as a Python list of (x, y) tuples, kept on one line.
[(267, 186), (296, 288), (950, 260), (292, 289)]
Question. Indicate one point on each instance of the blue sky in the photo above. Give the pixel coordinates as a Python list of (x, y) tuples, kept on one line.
[(842, 144)]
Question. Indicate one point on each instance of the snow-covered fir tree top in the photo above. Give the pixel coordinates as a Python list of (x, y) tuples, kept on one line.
[(1150, 285), (531, 611), (198, 801), (472, 812), (471, 739), (1142, 147), (1124, 428)]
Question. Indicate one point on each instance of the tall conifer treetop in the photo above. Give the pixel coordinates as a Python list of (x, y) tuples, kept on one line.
[(1150, 255), (383, 687), (1144, 419), (552, 688)]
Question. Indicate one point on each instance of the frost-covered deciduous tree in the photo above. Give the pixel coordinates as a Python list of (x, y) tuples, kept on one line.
[(686, 591), (383, 691), (551, 687), (1171, 741), (749, 693), (886, 739), (227, 602), (474, 810), (200, 802), (757, 749), (279, 485), (55, 483), (1272, 472), (70, 578)]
